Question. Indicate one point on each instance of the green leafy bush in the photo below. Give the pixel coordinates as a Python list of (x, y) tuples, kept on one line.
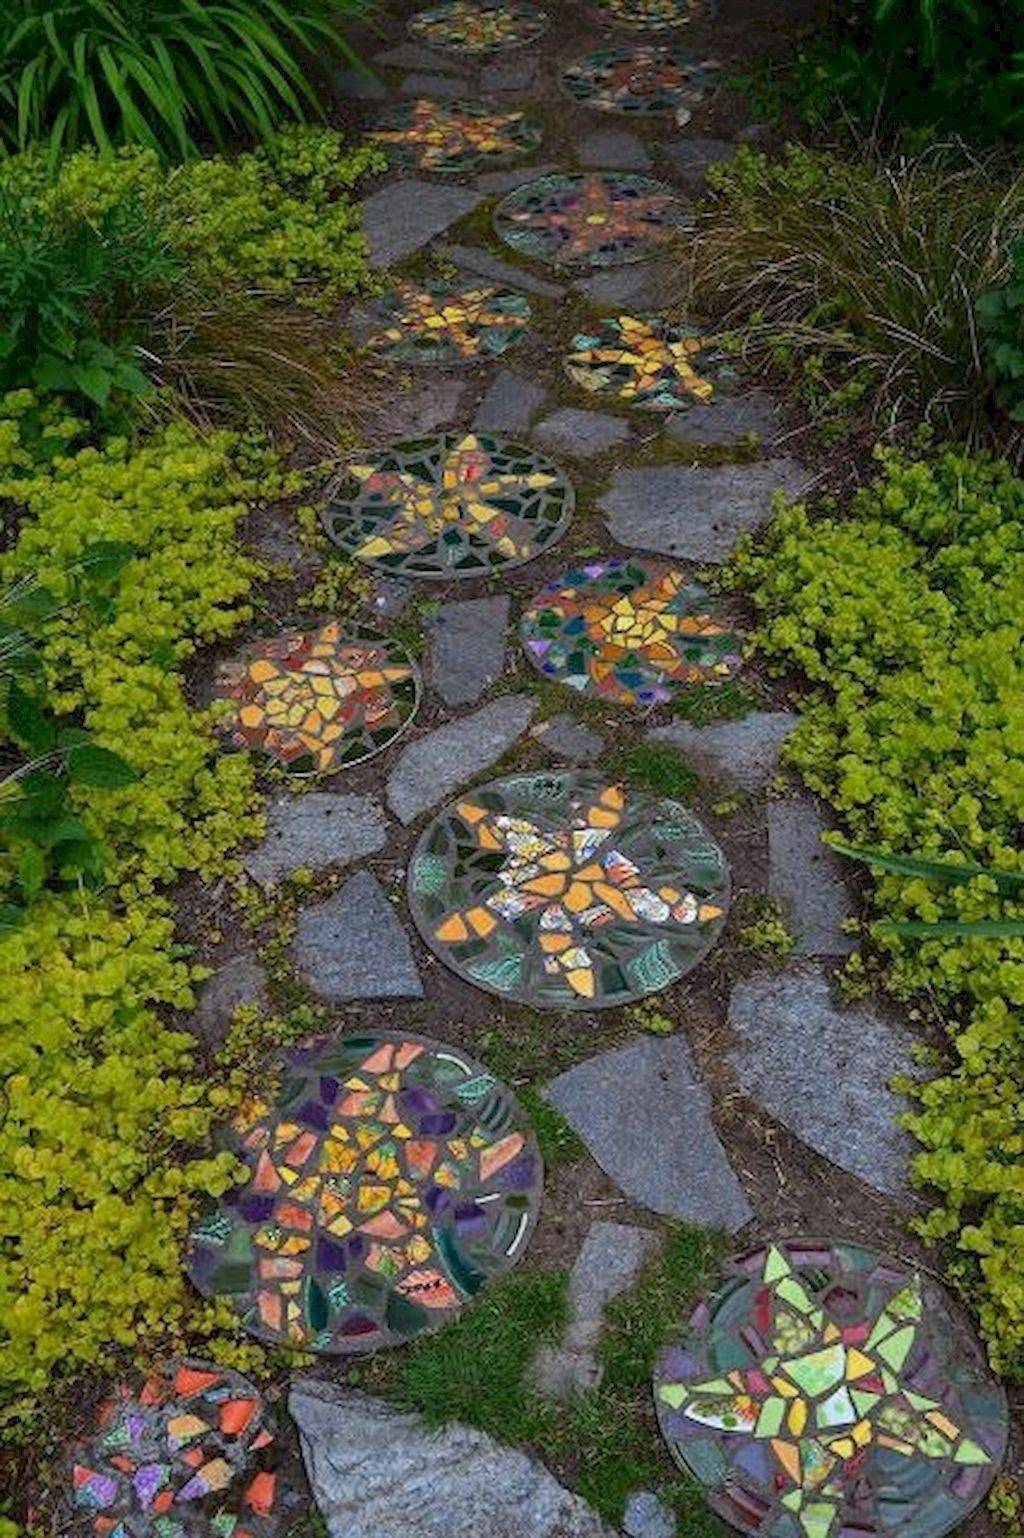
[(907, 615), (1001, 323)]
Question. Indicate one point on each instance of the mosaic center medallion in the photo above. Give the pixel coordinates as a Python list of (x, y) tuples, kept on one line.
[(454, 137), (448, 323), (651, 15), (390, 1177), (180, 1455), (567, 891), (638, 78), (319, 700), (629, 632), (459, 505), (595, 219), (824, 1389), (647, 361), (479, 26)]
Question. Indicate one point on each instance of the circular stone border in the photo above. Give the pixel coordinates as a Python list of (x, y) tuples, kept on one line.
[(409, 155), (385, 312), (602, 338), (678, 221), (416, 29), (604, 15), (596, 100)]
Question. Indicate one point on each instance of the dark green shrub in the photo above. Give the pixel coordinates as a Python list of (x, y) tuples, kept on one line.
[(1001, 323)]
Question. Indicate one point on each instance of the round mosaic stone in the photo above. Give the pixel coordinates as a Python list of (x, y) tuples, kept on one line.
[(454, 137), (638, 78), (458, 505), (647, 361), (568, 891), (319, 700), (824, 1389), (389, 1179), (448, 323), (651, 15), (180, 1455), (628, 632), (479, 26), (590, 219)]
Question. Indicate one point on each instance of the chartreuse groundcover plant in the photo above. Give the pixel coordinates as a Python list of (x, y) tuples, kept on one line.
[(905, 610)]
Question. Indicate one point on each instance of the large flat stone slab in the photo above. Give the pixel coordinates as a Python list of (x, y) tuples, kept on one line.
[(476, 259), (430, 403), (511, 403), (581, 434), (806, 878), (690, 157), (745, 751), (413, 56), (728, 419), (434, 87), (646, 1119), (315, 831), (359, 84), (240, 981), (496, 182), (433, 767), (695, 512), (508, 75), (380, 1472), (568, 738), (823, 1072), (353, 946), (613, 149), (405, 215), (467, 647)]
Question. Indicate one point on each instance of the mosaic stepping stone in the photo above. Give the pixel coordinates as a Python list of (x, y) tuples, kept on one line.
[(448, 323), (389, 1179), (651, 15), (628, 632), (454, 137), (459, 505), (823, 1389), (181, 1454), (566, 891), (595, 219), (479, 26), (647, 361), (638, 78), (319, 700)]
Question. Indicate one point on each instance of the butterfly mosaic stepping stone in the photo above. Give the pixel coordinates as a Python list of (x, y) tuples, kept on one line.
[(647, 361), (458, 505), (651, 15), (319, 700), (591, 219), (479, 26), (824, 1389), (183, 1454), (389, 1178), (454, 137), (641, 79), (568, 891), (629, 631), (448, 324)]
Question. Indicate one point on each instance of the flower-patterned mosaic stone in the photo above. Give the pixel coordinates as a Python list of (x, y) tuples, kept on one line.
[(567, 891), (591, 219), (449, 323), (319, 700), (454, 137), (638, 78), (479, 26), (389, 1179), (647, 361), (180, 1455), (825, 1390), (459, 505), (651, 15), (628, 632)]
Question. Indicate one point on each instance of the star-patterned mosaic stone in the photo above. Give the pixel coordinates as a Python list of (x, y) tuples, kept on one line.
[(567, 891), (638, 78), (319, 700), (460, 505), (389, 1179), (180, 1455), (448, 323), (591, 219), (647, 361), (824, 1390), (628, 632), (479, 26), (651, 15), (454, 137)]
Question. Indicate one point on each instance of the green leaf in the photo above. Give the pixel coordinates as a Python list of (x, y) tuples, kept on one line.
[(93, 379), (27, 721), (99, 768), (930, 870), (31, 869), (952, 929), (12, 915)]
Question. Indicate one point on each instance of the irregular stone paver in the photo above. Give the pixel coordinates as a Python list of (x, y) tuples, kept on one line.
[(413, 56), (697, 512), (377, 1470), (315, 831), (568, 738), (388, 596), (475, 259), (647, 1517), (745, 751), (509, 75), (823, 1072), (242, 980), (648, 285), (646, 1118), (581, 434), (689, 158), (431, 403), (434, 766), (806, 878), (727, 419), (359, 85), (405, 215), (504, 181), (467, 651), (613, 149), (608, 1263), (353, 946), (438, 87), (510, 404)]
